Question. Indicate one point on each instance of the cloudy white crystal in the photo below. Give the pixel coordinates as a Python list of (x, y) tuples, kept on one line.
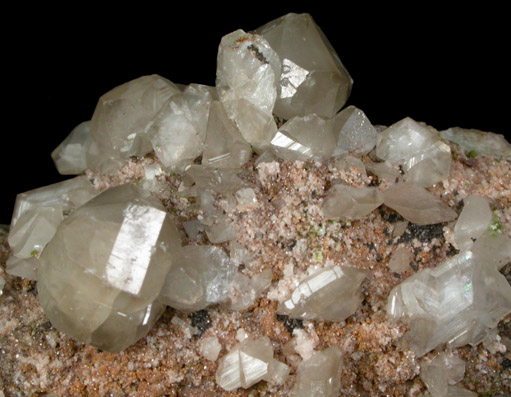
[(444, 370), (70, 156), (349, 202), (354, 132), (473, 222)]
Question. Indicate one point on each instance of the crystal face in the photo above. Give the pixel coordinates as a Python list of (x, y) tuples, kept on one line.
[(473, 222), (442, 371), (102, 271), (313, 79), (70, 156), (354, 132), (350, 202)]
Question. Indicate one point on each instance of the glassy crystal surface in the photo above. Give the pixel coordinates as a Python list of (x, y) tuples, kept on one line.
[(200, 276), (120, 120), (302, 138), (416, 204), (442, 371), (350, 202), (473, 222), (354, 132), (178, 131), (25, 268), (480, 142), (100, 274), (494, 249), (249, 362), (313, 79), (70, 156), (246, 80), (332, 294), (319, 375), (457, 303), (425, 158)]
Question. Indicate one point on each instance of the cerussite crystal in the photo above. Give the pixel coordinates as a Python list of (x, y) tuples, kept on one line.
[(105, 266), (313, 79)]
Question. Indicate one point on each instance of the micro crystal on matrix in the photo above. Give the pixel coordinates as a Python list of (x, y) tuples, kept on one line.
[(272, 240)]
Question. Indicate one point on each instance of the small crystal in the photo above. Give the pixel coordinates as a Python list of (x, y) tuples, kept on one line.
[(100, 274), (319, 375), (177, 133), (354, 132), (70, 156), (246, 80), (218, 180), (383, 170), (400, 228), (442, 371), (416, 204), (350, 202), (249, 362), (473, 222), (493, 250), (222, 230), (350, 163), (305, 137), (25, 268), (246, 199), (456, 391), (244, 291), (201, 276), (210, 348), (313, 79), (332, 294), (480, 142), (120, 120), (400, 260)]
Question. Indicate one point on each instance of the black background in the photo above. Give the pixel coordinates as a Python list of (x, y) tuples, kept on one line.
[(444, 67)]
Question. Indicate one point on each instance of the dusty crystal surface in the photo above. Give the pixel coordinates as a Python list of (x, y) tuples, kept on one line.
[(313, 79), (350, 202), (320, 374), (473, 222), (354, 132), (419, 149), (118, 125), (70, 156), (249, 362), (444, 370), (331, 294), (400, 260), (246, 80), (244, 290), (101, 273), (416, 204), (479, 142)]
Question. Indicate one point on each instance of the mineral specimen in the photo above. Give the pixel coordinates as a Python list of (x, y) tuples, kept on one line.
[(105, 266), (2, 284), (350, 202), (210, 348), (400, 260), (248, 363), (70, 156), (332, 294), (473, 222), (354, 132), (442, 371), (25, 268), (313, 79)]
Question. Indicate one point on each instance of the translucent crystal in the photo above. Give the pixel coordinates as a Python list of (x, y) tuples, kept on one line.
[(210, 348), (120, 120), (102, 271), (224, 147), (350, 202), (350, 163), (26, 268), (70, 156), (456, 391), (319, 375), (418, 149), (244, 290), (416, 204), (215, 180), (493, 249), (473, 222), (442, 371), (354, 132), (200, 276), (480, 142), (178, 131), (331, 294), (313, 79), (247, 73), (246, 199), (400, 260), (249, 362), (305, 137), (383, 170), (37, 213), (222, 230), (456, 302)]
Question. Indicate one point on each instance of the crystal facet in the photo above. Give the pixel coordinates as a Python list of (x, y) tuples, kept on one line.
[(350, 202), (473, 222), (354, 132), (70, 156), (442, 371)]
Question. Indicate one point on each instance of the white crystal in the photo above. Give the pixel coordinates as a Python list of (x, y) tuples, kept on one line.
[(120, 120), (319, 375), (473, 222), (350, 202), (223, 230), (177, 133), (218, 180), (70, 156), (201, 276), (100, 274), (400, 260), (26, 268), (247, 73), (210, 347), (354, 132), (249, 362), (244, 290), (383, 170), (416, 204), (493, 249), (442, 371), (301, 138), (350, 164), (224, 147), (331, 294), (313, 79), (456, 391), (246, 199)]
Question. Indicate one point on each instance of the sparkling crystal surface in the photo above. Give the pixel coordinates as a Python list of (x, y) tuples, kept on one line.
[(320, 374), (313, 79), (120, 120), (70, 156), (354, 132), (350, 202), (246, 80), (473, 222), (331, 294), (416, 204), (102, 271), (480, 142)]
